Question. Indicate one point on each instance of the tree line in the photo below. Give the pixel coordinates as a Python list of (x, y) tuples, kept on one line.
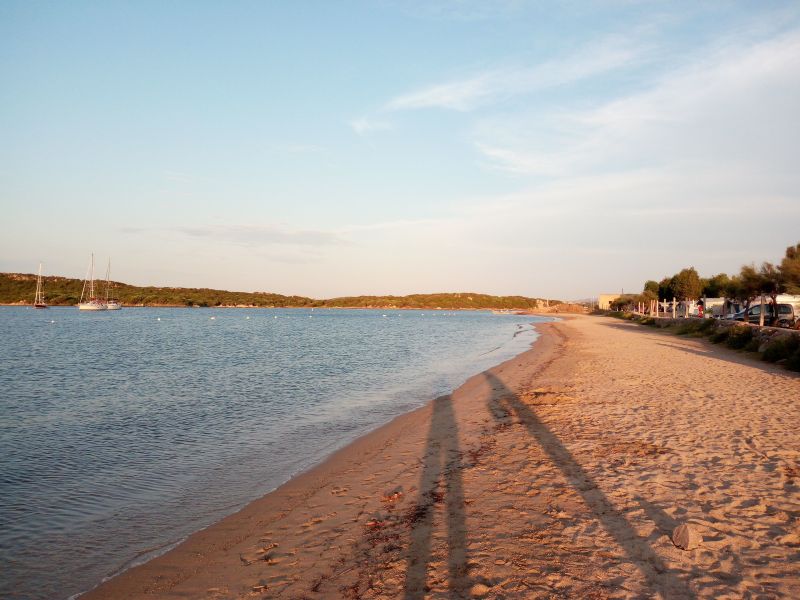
[(768, 279), (19, 288)]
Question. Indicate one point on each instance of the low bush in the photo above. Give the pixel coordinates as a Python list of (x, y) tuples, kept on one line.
[(739, 337), (720, 335), (685, 328), (752, 346), (780, 348), (708, 326), (793, 362), (695, 327)]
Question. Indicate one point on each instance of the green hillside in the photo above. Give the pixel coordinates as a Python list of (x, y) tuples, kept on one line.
[(19, 288)]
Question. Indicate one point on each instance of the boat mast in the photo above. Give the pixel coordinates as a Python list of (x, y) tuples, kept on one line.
[(91, 280), (85, 279), (39, 296), (108, 278)]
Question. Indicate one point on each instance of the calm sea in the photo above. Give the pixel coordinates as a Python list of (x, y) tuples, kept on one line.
[(123, 432)]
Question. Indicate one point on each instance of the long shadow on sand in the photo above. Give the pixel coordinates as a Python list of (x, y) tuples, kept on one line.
[(440, 482), (503, 403)]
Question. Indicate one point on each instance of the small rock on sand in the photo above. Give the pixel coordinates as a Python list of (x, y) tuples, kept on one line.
[(479, 590), (685, 537)]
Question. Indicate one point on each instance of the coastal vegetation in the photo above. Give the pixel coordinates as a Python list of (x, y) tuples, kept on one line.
[(19, 288), (751, 282)]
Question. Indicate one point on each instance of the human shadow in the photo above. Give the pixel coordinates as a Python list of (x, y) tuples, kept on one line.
[(503, 404), (440, 483)]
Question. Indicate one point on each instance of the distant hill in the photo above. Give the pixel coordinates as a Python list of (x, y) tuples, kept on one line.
[(19, 288)]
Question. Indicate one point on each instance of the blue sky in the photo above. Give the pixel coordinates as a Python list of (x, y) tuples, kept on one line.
[(331, 148)]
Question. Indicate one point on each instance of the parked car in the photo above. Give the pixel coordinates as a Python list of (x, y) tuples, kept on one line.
[(788, 316)]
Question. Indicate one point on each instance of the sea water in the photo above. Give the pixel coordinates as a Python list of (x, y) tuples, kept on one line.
[(123, 432)]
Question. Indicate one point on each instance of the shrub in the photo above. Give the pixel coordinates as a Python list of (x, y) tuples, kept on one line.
[(720, 335), (690, 327), (793, 362), (780, 348), (739, 336), (752, 346), (708, 325)]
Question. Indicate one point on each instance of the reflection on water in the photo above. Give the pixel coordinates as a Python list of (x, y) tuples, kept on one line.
[(121, 433)]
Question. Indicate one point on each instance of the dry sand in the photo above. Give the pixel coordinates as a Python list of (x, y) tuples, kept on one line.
[(560, 473)]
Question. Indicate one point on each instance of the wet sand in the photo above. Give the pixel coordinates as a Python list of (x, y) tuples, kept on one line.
[(560, 473)]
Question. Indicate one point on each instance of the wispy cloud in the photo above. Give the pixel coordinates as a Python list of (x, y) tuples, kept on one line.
[(364, 125), (393, 225), (477, 90), (297, 148), (251, 235), (459, 10), (735, 108)]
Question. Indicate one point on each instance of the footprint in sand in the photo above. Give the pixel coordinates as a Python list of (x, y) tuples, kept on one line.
[(311, 522), (262, 553)]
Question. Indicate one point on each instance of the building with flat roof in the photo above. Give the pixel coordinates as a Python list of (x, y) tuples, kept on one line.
[(604, 300)]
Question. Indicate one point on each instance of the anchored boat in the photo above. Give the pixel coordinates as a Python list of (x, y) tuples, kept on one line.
[(38, 301), (111, 303), (89, 301)]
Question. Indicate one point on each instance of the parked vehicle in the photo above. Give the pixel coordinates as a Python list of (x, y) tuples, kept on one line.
[(788, 316)]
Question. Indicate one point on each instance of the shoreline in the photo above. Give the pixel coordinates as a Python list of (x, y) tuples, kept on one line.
[(565, 471), (355, 447), (514, 311)]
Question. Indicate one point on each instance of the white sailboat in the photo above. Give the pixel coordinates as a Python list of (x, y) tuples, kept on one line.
[(38, 301), (89, 301), (111, 303)]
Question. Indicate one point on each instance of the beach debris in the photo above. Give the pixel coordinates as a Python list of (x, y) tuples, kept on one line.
[(686, 537), (393, 495)]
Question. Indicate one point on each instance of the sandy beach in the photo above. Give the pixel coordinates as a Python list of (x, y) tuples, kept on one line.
[(560, 473)]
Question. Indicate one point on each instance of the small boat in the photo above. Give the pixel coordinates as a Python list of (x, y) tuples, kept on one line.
[(89, 301), (38, 301), (111, 303)]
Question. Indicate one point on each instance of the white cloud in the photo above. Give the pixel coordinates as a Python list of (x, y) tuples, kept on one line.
[(499, 83), (250, 235), (738, 108), (364, 125)]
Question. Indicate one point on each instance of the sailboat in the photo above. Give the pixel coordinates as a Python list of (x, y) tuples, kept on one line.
[(89, 301), (38, 301), (111, 303)]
